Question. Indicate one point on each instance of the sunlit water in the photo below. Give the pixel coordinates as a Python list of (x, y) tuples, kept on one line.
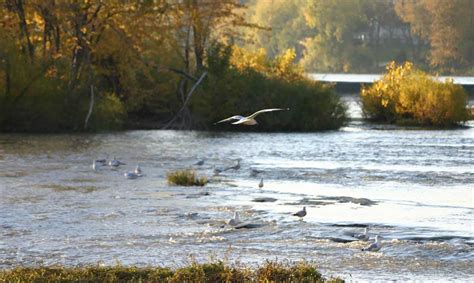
[(413, 187)]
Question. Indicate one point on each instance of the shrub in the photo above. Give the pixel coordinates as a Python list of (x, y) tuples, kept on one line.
[(185, 178), (406, 94), (108, 113), (280, 272)]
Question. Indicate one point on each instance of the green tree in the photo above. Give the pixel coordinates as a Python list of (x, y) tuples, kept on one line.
[(286, 26), (339, 42)]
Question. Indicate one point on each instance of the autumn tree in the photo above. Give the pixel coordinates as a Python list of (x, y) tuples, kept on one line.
[(283, 23), (446, 25)]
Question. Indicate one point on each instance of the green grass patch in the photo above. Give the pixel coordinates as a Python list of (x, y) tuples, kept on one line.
[(208, 272), (185, 178)]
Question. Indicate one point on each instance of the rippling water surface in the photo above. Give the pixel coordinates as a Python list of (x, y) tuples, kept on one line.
[(413, 187)]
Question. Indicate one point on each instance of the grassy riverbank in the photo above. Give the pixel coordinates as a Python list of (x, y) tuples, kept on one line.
[(208, 272)]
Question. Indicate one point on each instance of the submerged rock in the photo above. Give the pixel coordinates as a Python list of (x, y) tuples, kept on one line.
[(264, 199), (308, 202), (343, 199)]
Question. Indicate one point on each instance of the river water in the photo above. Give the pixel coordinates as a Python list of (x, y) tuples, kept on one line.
[(412, 187)]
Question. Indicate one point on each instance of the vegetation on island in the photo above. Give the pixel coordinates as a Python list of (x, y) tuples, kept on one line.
[(185, 178), (242, 82), (207, 272), (95, 65), (101, 65), (406, 95)]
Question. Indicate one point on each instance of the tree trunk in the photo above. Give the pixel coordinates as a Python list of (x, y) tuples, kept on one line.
[(24, 28), (184, 113)]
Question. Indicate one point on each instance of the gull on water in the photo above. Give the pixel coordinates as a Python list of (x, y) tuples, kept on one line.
[(115, 163), (260, 185), (255, 172), (249, 120), (375, 246), (98, 162), (95, 165), (301, 213), (235, 167), (363, 237), (138, 170), (131, 175), (235, 220)]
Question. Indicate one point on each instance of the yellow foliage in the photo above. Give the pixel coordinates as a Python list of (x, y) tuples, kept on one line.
[(283, 66), (405, 93), (242, 59)]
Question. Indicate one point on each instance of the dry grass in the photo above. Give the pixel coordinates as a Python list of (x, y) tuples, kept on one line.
[(209, 272), (185, 178)]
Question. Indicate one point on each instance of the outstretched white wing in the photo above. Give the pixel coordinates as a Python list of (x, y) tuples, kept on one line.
[(236, 117), (266, 110)]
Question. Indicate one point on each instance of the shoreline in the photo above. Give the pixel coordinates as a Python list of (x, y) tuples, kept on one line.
[(216, 271)]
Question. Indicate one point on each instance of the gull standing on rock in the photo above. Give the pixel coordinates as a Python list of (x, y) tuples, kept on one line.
[(375, 246), (249, 120), (301, 213), (260, 185)]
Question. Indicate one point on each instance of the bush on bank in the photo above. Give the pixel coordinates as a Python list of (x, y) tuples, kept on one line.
[(408, 95), (208, 272)]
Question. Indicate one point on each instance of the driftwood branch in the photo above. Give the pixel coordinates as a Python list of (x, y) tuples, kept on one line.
[(91, 106), (188, 97), (180, 72)]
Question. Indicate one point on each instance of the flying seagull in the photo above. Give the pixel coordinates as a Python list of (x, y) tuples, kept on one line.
[(375, 246), (301, 213), (249, 120)]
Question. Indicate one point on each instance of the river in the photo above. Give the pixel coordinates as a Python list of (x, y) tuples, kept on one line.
[(412, 187)]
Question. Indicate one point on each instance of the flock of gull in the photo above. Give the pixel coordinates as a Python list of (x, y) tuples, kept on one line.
[(114, 164), (235, 221)]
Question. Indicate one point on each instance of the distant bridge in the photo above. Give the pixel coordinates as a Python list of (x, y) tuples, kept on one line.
[(352, 82), (370, 78)]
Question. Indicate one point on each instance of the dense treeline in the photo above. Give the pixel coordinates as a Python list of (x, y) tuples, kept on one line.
[(363, 35), (91, 64)]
